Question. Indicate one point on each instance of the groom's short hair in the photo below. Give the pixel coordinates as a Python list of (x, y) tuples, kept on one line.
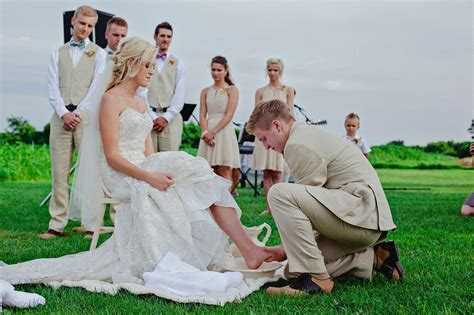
[(117, 21), (265, 112), (86, 11), (164, 25)]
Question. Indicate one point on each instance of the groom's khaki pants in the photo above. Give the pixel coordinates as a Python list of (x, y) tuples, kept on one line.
[(315, 240), (62, 144), (170, 138)]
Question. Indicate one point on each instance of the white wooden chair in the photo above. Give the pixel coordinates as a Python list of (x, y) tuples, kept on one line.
[(101, 229)]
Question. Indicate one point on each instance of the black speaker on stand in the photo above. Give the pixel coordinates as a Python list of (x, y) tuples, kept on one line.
[(97, 36)]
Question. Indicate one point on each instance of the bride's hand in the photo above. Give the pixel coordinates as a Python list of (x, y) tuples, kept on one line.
[(160, 181)]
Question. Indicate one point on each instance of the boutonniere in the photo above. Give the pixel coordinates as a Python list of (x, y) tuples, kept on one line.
[(171, 62), (282, 87), (90, 53)]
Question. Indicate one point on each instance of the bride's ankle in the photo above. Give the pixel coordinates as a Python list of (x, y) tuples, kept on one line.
[(256, 257)]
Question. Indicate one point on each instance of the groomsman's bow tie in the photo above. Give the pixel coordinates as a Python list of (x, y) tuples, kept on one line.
[(161, 56), (81, 44), (110, 52)]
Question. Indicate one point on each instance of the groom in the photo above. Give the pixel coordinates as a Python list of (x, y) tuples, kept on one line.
[(332, 220), (73, 72)]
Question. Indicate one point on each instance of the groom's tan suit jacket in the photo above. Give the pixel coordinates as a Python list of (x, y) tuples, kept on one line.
[(337, 174)]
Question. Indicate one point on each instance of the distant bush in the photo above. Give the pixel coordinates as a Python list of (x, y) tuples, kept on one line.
[(458, 149), (410, 157), (400, 143), (22, 161), (20, 130), (24, 153), (191, 135)]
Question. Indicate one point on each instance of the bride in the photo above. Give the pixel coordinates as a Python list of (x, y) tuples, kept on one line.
[(171, 202)]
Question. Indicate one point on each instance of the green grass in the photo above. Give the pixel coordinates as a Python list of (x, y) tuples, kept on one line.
[(436, 247), (403, 157)]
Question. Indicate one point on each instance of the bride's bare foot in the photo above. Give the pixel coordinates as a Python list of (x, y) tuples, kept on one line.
[(277, 253), (255, 257)]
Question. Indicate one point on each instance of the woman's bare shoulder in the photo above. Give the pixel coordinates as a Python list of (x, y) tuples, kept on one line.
[(110, 102)]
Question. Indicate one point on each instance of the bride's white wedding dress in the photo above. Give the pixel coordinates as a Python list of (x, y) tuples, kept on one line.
[(149, 224)]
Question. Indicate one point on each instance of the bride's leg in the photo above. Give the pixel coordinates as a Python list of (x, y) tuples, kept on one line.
[(224, 171), (228, 221)]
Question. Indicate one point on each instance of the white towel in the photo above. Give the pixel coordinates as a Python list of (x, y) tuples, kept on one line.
[(185, 280), (10, 297)]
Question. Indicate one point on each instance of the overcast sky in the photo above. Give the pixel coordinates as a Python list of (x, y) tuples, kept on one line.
[(404, 66)]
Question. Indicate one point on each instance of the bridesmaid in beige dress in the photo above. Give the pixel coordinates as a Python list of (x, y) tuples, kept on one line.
[(271, 162), (218, 142)]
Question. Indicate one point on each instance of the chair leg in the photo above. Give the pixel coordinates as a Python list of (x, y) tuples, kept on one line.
[(95, 236)]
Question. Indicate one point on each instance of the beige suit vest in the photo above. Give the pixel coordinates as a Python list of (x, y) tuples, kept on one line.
[(162, 85), (74, 82)]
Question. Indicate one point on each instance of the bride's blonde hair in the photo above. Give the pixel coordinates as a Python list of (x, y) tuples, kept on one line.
[(132, 54)]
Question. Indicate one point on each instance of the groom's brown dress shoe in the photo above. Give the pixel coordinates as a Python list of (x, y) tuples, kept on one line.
[(50, 234), (303, 285), (387, 260)]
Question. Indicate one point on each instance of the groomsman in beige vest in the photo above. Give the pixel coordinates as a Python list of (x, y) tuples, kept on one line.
[(165, 94), (116, 30), (73, 72), (332, 221)]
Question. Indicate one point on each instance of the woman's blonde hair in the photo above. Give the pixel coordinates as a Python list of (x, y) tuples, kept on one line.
[(275, 61), (132, 54)]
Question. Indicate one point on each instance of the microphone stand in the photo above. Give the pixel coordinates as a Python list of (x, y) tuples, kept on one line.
[(308, 120)]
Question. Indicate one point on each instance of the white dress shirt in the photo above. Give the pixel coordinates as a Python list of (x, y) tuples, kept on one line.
[(364, 147), (54, 93), (177, 100), (108, 51)]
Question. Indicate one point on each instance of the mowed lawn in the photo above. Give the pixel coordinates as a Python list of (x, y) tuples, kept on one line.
[(436, 247)]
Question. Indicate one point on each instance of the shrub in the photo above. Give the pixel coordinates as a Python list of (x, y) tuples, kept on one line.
[(191, 135), (18, 130)]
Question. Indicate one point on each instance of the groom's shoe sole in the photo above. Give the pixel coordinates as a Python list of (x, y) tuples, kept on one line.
[(304, 285), (78, 229), (286, 290), (388, 259), (50, 234)]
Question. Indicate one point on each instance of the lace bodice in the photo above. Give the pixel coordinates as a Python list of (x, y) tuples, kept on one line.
[(133, 131)]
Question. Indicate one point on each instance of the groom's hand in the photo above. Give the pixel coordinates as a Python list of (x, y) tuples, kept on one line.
[(277, 253), (71, 120), (159, 124)]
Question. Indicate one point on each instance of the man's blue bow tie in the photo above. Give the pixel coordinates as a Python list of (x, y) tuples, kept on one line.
[(81, 44)]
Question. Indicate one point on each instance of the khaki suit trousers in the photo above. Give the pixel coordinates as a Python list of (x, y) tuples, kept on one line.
[(315, 240), (170, 138), (62, 144)]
